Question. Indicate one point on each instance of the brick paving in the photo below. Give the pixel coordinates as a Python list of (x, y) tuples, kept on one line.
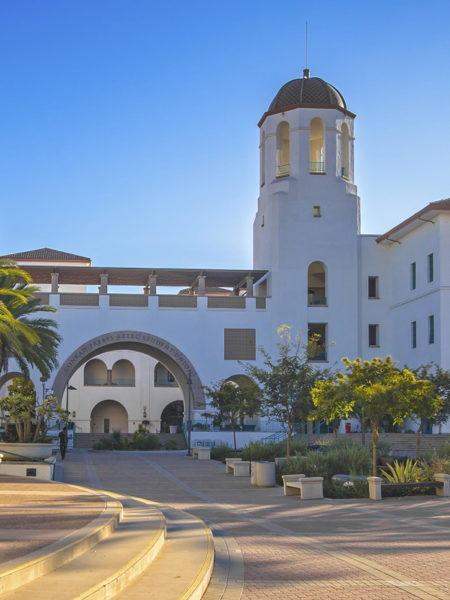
[(398, 549), (34, 514)]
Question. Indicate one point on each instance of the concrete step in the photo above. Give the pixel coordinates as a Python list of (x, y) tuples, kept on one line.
[(17, 572), (154, 553), (108, 567), (183, 569)]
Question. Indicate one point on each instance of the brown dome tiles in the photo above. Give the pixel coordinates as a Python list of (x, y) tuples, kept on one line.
[(307, 91)]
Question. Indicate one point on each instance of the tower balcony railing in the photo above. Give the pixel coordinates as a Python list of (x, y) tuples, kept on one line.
[(317, 167), (283, 170), (317, 300)]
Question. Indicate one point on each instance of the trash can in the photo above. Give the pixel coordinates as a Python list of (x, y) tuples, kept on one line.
[(262, 474)]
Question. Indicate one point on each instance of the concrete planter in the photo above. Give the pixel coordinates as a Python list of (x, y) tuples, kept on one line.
[(28, 450)]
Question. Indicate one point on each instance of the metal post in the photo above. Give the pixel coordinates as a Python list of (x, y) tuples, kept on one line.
[(189, 423)]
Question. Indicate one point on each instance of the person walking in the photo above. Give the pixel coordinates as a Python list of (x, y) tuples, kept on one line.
[(63, 442)]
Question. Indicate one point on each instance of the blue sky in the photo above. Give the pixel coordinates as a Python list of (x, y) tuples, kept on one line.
[(128, 130)]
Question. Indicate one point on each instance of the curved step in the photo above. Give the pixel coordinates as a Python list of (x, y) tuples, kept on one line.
[(183, 569), (108, 567), (21, 571)]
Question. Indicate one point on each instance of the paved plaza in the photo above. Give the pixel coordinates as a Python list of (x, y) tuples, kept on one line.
[(279, 547)]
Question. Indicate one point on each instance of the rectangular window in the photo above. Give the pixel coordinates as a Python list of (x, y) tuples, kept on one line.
[(430, 269), (414, 334), (413, 276), (374, 336), (316, 211), (373, 286), (431, 329), (317, 338), (240, 344)]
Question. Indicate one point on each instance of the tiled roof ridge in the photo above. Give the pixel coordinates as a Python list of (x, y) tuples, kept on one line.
[(46, 254)]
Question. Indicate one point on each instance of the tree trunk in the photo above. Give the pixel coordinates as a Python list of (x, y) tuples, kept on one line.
[(288, 442), (363, 429), (418, 437), (375, 437), (234, 436)]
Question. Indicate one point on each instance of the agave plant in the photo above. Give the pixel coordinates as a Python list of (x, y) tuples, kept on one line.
[(403, 472)]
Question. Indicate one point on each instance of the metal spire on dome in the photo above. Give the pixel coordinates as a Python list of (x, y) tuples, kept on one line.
[(306, 70)]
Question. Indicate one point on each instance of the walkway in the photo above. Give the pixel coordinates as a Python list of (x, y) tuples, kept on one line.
[(281, 548)]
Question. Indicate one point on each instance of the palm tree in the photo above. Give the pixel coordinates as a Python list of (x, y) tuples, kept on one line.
[(31, 340)]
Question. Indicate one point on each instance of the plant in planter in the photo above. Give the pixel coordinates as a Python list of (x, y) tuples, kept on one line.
[(28, 418)]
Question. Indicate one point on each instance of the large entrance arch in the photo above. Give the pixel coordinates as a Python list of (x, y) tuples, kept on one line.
[(139, 341)]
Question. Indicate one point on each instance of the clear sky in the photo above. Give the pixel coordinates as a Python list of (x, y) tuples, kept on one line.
[(129, 127)]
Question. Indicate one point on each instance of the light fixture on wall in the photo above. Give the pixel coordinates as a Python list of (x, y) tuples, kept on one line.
[(144, 412)]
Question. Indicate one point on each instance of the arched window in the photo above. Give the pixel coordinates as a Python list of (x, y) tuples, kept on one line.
[(283, 151), (317, 292), (317, 146), (163, 377), (95, 373), (263, 158), (123, 373), (345, 152)]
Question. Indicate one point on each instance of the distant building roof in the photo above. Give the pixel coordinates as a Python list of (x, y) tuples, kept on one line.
[(431, 210), (46, 254)]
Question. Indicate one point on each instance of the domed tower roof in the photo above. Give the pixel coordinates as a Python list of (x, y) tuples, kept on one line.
[(307, 92)]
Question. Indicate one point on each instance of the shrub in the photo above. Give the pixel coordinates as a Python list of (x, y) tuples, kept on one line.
[(171, 444), (403, 472), (150, 442), (443, 451), (355, 489), (433, 464), (97, 446), (222, 452)]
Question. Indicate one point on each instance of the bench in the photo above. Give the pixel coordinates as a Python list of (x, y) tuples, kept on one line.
[(201, 453), (228, 462), (310, 488), (240, 468), (441, 484)]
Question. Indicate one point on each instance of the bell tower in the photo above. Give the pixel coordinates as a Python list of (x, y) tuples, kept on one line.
[(307, 223)]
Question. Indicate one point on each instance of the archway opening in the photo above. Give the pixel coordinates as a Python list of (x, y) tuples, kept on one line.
[(172, 416), (122, 373), (317, 289), (95, 373), (108, 416), (317, 146)]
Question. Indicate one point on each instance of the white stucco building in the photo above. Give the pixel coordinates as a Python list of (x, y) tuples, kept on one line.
[(366, 295)]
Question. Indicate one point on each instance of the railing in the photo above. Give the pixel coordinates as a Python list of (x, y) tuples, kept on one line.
[(43, 297), (128, 300), (79, 299), (226, 301), (317, 300), (308, 435), (168, 301), (317, 167), (123, 382), (283, 170), (94, 381)]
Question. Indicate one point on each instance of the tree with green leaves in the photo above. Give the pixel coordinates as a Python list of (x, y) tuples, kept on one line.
[(434, 406), (21, 409), (378, 387), (286, 381), (233, 401), (25, 336)]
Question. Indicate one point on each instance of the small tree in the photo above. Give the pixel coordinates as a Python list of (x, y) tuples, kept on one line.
[(286, 382), (22, 410), (376, 387), (233, 402), (440, 378), (426, 404)]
